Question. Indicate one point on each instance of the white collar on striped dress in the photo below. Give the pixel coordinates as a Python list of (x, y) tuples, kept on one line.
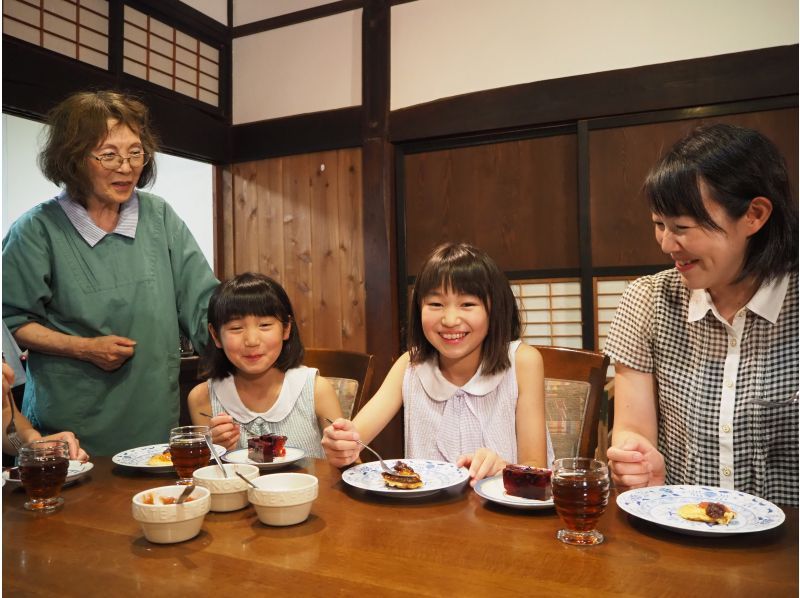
[(440, 388), (766, 302), (93, 234), (293, 384)]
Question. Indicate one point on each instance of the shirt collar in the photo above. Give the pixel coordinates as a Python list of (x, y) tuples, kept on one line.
[(766, 302), (440, 388), (93, 234)]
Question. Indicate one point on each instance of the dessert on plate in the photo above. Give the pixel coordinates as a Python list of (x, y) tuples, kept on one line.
[(265, 448), (527, 482), (405, 478), (164, 458), (715, 513)]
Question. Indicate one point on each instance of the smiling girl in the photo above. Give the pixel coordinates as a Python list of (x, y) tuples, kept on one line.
[(706, 353), (257, 383), (472, 392)]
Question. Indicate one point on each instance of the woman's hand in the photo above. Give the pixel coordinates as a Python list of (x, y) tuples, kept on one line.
[(108, 352), (482, 463), (224, 431), (636, 464), (75, 450), (339, 442)]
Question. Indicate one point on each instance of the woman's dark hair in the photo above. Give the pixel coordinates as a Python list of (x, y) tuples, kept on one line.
[(735, 165), (78, 125), (465, 269), (250, 294)]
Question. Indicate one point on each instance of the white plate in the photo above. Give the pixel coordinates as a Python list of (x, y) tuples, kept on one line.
[(660, 504), (492, 489), (240, 456), (75, 472), (139, 456), (435, 476)]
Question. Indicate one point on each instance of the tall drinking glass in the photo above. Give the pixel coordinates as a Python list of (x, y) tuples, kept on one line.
[(580, 493), (43, 466), (187, 445)]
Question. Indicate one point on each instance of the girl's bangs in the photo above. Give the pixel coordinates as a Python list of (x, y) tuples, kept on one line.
[(459, 275), (255, 301)]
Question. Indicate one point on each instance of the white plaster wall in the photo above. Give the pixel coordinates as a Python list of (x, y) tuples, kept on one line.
[(442, 48), (301, 68), (216, 9), (248, 11), (186, 184)]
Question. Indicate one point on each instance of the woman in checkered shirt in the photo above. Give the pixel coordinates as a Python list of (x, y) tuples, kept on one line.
[(706, 354)]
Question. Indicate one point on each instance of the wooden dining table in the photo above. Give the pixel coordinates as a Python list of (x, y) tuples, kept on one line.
[(354, 543)]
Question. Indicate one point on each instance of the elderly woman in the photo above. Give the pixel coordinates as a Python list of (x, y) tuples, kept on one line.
[(707, 353), (99, 281)]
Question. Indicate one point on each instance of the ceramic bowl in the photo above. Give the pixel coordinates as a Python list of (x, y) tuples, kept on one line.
[(283, 498), (166, 524), (227, 494)]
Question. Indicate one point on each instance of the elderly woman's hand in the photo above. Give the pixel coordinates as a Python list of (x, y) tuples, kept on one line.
[(109, 352)]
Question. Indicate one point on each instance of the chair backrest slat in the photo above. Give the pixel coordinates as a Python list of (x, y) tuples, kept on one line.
[(564, 364), (338, 363)]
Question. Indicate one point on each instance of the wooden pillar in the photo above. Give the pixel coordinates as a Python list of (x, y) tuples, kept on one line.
[(380, 246)]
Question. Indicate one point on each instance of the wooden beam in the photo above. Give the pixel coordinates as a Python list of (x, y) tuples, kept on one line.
[(380, 249), (305, 133), (293, 18), (733, 77)]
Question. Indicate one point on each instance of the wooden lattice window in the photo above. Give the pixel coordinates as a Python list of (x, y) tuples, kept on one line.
[(74, 28), (607, 293), (550, 311), (168, 57)]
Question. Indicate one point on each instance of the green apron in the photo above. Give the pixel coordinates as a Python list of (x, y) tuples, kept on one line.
[(146, 289)]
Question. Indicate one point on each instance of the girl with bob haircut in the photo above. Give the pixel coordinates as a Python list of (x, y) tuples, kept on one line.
[(257, 383), (706, 353), (100, 282), (472, 392)]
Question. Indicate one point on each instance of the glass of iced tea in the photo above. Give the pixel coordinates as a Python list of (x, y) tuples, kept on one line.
[(580, 493), (189, 451), (43, 466)]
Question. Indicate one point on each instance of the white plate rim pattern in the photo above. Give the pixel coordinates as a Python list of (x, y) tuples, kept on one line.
[(492, 489), (137, 457), (659, 504), (367, 476), (75, 472), (240, 456)]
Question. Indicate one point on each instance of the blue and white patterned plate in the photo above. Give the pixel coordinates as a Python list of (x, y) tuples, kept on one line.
[(240, 456), (435, 476), (139, 456), (660, 504), (492, 489)]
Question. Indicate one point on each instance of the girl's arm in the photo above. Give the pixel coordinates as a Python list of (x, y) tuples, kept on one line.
[(530, 414), (338, 439), (223, 429), (634, 459), (326, 403)]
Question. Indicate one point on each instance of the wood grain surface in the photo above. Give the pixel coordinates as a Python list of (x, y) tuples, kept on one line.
[(355, 544)]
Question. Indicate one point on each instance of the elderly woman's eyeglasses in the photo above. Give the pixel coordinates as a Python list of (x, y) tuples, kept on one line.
[(112, 161)]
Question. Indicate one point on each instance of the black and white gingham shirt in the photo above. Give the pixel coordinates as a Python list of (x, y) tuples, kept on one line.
[(727, 393)]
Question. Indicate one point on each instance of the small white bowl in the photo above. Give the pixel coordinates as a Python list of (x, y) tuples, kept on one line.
[(227, 494), (283, 498), (166, 524)]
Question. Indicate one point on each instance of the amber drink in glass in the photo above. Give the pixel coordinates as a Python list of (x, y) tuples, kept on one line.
[(189, 451), (580, 494), (43, 466)]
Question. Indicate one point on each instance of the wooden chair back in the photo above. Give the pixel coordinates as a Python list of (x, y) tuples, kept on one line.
[(574, 381), (341, 368)]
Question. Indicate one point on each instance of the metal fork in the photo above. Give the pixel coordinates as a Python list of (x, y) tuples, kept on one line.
[(11, 431), (385, 467)]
